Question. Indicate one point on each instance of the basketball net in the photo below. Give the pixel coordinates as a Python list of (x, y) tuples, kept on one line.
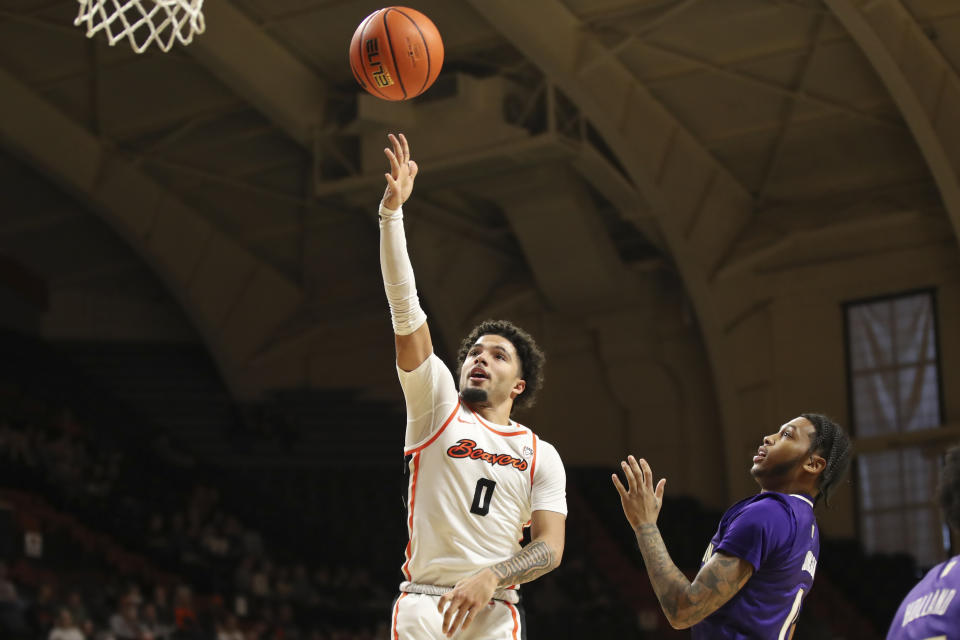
[(142, 22)]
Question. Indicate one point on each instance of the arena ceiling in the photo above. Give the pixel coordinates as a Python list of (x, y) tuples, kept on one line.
[(570, 148)]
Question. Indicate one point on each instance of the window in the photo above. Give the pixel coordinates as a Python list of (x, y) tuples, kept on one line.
[(894, 378)]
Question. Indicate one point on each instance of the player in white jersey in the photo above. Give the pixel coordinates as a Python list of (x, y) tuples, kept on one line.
[(477, 478)]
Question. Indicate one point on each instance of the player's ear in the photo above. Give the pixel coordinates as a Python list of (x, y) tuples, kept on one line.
[(518, 388), (815, 464)]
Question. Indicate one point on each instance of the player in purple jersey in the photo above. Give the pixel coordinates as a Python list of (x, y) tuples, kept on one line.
[(760, 564), (931, 611)]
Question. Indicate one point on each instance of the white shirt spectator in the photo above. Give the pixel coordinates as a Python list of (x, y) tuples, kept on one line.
[(65, 628), (73, 633)]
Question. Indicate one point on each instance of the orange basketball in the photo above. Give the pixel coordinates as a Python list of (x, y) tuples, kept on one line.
[(396, 53)]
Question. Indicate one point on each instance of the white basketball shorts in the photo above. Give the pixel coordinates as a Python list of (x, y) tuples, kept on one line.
[(415, 617)]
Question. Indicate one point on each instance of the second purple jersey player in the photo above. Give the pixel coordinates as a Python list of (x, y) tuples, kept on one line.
[(760, 564), (932, 608)]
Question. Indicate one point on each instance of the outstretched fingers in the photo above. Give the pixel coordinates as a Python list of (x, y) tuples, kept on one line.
[(401, 174), (639, 477), (646, 474), (399, 157), (395, 143), (394, 162), (639, 470), (631, 478), (400, 148), (619, 485)]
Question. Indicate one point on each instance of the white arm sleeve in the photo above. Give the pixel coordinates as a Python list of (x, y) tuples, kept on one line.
[(431, 396), (398, 281), (549, 491)]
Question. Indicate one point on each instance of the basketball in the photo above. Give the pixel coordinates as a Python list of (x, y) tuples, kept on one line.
[(396, 53)]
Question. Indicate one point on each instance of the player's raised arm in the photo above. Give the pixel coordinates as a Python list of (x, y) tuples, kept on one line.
[(684, 603), (409, 321)]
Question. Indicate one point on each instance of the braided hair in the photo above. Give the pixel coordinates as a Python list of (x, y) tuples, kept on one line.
[(530, 355), (833, 445), (949, 489)]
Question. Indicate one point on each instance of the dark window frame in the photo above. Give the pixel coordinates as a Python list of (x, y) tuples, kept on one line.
[(849, 374), (847, 346)]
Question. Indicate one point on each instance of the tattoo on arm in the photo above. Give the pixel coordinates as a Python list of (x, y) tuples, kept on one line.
[(534, 560), (686, 603)]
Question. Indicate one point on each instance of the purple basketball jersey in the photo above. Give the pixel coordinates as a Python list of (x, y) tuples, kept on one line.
[(931, 609), (777, 534)]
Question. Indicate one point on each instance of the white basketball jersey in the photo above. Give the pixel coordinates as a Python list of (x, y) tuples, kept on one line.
[(473, 485)]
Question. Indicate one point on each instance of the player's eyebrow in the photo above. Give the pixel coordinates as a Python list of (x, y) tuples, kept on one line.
[(492, 346), (501, 349)]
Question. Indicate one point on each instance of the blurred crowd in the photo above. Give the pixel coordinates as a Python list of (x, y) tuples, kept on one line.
[(127, 547), (120, 610), (65, 592)]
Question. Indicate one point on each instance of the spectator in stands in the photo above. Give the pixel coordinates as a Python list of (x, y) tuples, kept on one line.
[(12, 622), (185, 613), (256, 631), (65, 628), (268, 618), (213, 542), (42, 612), (260, 581), (283, 587), (302, 589), (286, 624), (77, 608), (161, 603), (229, 629), (125, 624), (215, 610), (151, 623), (8, 592), (132, 594)]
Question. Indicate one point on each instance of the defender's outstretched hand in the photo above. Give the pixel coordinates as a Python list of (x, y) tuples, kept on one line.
[(403, 170), (641, 502)]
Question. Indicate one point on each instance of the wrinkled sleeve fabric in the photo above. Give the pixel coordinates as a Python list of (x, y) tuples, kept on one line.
[(431, 396), (758, 532)]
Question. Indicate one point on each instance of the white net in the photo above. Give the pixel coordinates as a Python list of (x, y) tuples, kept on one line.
[(142, 22)]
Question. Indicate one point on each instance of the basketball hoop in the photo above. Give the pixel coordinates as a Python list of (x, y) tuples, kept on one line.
[(142, 22)]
